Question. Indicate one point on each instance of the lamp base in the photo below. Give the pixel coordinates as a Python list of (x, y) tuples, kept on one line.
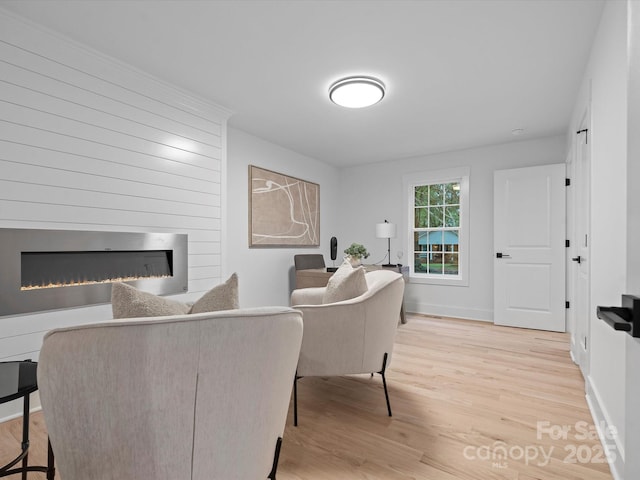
[(389, 265)]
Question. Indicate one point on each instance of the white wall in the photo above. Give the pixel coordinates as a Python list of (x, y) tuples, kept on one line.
[(372, 193), (632, 383), (266, 274), (605, 86), (87, 143)]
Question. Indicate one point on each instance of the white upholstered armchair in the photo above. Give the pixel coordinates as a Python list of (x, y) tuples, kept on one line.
[(351, 336), (201, 396)]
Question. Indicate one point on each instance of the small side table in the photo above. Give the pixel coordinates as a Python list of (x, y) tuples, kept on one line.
[(18, 379)]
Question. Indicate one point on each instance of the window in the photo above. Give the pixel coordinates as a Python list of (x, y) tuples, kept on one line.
[(438, 226)]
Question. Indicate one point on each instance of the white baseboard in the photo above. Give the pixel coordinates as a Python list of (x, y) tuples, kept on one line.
[(19, 414), (603, 424), (573, 358), (449, 311), (13, 409)]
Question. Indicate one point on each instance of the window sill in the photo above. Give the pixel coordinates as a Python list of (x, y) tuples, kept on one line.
[(451, 282)]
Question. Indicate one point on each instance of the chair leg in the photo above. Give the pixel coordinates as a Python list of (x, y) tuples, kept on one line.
[(51, 464), (276, 457), (384, 382), (295, 400)]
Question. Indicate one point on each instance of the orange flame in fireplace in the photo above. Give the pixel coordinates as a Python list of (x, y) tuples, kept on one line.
[(76, 283)]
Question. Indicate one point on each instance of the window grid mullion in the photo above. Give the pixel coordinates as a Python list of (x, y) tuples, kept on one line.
[(443, 252)]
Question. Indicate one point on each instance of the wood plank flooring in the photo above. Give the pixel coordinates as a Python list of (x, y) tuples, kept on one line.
[(466, 398)]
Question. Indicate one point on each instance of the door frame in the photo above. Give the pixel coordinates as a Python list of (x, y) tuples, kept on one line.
[(581, 181), (571, 236)]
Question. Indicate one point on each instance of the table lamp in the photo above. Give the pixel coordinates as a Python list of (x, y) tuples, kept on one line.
[(386, 230)]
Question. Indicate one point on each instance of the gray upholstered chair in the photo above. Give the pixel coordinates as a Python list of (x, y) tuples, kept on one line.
[(202, 396), (307, 261), (352, 336)]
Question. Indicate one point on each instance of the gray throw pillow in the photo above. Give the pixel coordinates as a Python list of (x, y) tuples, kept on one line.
[(220, 297), (346, 283), (129, 302)]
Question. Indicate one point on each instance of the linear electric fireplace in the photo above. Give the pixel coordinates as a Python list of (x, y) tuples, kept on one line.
[(48, 269)]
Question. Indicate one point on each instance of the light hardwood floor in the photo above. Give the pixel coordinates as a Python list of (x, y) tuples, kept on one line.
[(466, 398)]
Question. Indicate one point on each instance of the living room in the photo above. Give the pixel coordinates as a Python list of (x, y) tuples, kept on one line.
[(54, 190)]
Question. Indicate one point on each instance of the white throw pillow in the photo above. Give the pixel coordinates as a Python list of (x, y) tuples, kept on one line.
[(129, 302), (347, 282)]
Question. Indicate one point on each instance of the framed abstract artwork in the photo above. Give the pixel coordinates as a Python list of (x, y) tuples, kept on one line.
[(284, 211)]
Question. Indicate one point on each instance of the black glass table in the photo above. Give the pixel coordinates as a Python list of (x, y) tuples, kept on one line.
[(19, 380)]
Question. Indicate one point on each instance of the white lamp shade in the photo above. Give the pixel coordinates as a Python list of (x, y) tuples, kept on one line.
[(385, 230)]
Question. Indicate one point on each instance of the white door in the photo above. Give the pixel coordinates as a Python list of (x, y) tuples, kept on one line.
[(529, 247), (580, 249)]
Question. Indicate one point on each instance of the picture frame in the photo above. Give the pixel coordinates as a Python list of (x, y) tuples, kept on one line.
[(284, 211)]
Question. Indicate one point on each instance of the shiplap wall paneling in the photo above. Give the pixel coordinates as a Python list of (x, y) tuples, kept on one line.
[(87, 143)]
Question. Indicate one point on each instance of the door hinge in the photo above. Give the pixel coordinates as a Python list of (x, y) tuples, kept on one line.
[(567, 243), (567, 182), (586, 137), (567, 305)]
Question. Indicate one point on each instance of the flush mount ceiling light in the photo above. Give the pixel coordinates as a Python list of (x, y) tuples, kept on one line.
[(357, 92)]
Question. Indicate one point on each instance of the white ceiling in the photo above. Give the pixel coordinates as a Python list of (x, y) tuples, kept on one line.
[(460, 73)]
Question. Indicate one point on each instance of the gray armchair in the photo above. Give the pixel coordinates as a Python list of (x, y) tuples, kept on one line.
[(350, 337), (306, 261), (202, 396)]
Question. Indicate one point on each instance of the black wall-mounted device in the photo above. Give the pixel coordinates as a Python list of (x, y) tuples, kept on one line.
[(334, 248)]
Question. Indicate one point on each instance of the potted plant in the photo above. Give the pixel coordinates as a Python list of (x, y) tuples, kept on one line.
[(355, 253)]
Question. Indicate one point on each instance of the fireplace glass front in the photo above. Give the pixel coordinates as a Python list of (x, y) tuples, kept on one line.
[(63, 269), (49, 269)]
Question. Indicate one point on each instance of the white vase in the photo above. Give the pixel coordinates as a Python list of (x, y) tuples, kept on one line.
[(354, 261)]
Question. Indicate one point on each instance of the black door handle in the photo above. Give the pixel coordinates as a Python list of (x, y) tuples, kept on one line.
[(618, 317), (502, 255), (577, 259), (625, 318)]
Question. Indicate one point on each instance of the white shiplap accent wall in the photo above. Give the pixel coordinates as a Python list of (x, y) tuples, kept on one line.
[(87, 143)]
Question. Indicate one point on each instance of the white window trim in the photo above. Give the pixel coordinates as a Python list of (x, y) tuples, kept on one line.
[(411, 180)]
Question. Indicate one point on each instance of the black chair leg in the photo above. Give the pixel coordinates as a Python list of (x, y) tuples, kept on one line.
[(384, 382), (276, 457), (51, 469), (295, 400)]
